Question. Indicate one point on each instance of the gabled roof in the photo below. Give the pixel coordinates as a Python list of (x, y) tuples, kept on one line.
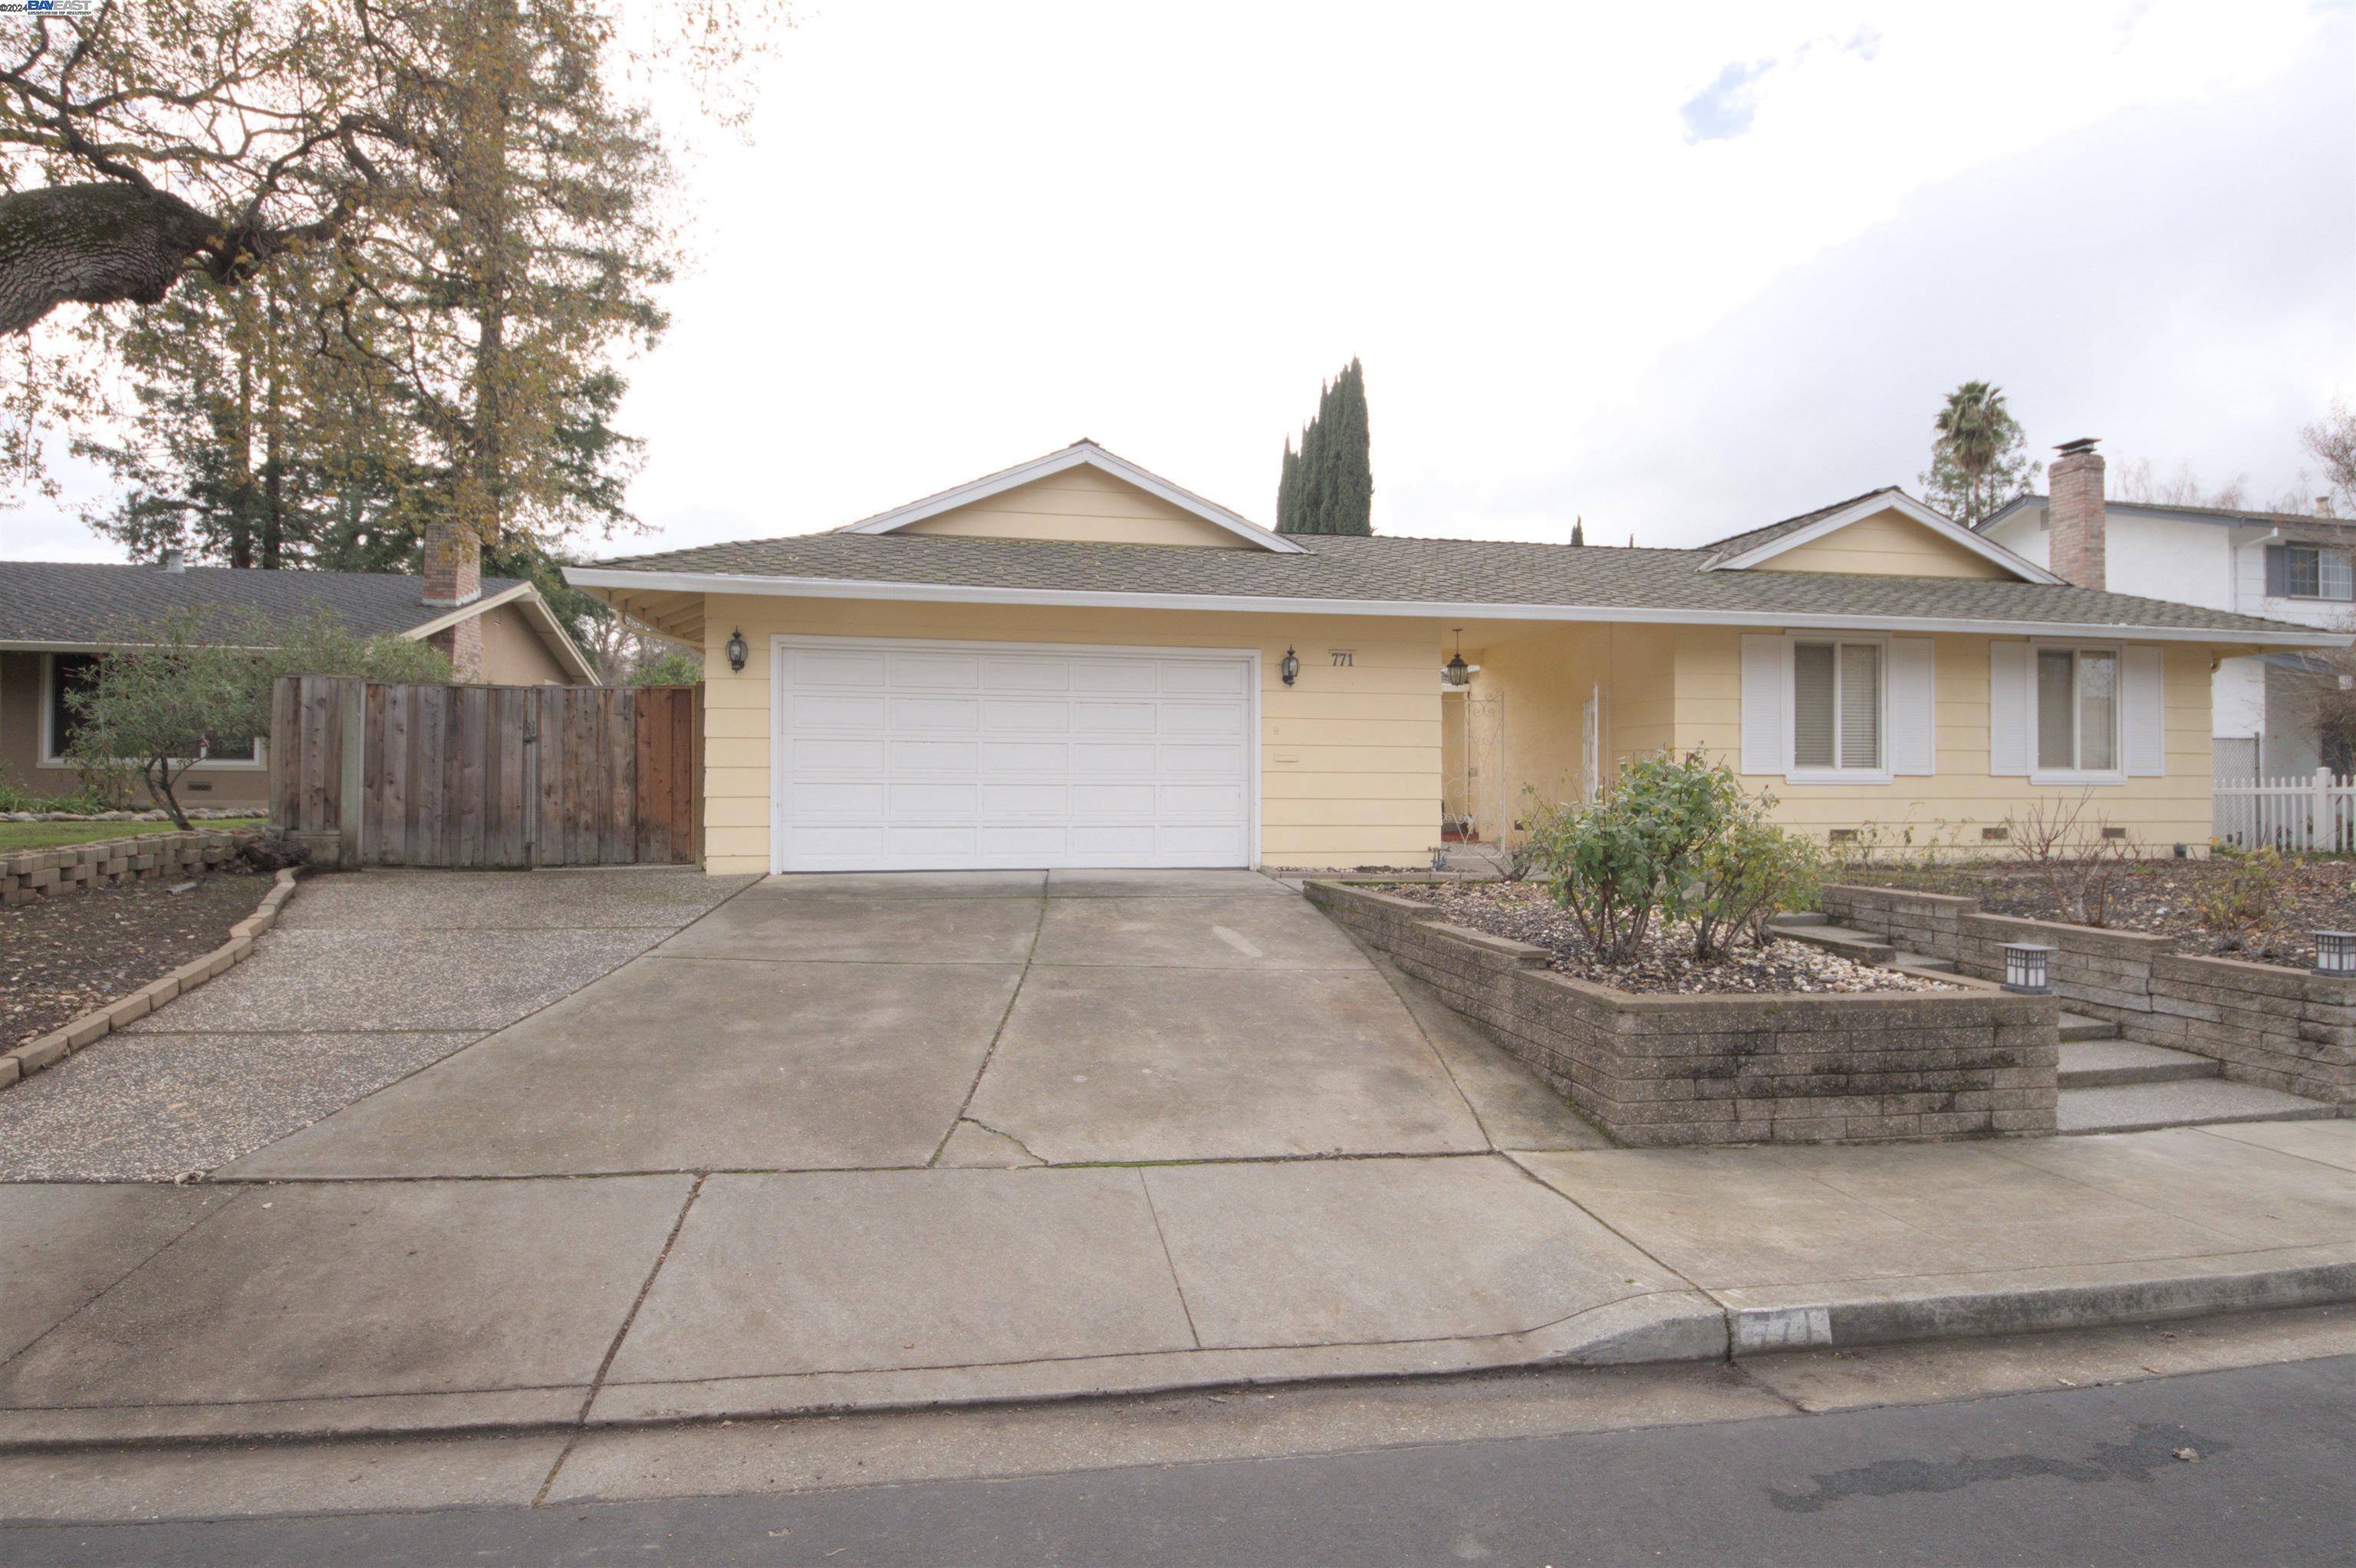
[(1339, 574), (2226, 516), (1742, 550), (1080, 452), (67, 606)]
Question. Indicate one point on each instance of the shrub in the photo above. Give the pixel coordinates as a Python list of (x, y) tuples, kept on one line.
[(2077, 861), (1635, 856), (192, 683), (1752, 871), (2242, 901), (674, 667)]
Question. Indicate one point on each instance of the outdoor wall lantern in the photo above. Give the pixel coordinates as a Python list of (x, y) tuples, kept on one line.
[(2026, 969), (1290, 666), (1456, 672), (738, 652), (2335, 954)]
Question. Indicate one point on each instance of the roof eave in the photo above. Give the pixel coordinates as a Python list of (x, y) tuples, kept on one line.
[(758, 584)]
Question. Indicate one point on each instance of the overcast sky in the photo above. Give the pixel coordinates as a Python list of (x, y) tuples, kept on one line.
[(1681, 270)]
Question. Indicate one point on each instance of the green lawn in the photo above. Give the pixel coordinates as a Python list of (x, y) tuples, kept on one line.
[(54, 835)]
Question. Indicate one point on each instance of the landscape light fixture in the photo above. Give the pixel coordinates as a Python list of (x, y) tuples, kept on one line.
[(738, 652), (2335, 954), (2027, 969), (1290, 667), (1457, 672)]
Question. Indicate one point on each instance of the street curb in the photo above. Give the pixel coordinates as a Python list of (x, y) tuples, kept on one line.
[(1663, 1327), (49, 1049)]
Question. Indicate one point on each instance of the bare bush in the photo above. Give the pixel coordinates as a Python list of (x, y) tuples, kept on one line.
[(2074, 854)]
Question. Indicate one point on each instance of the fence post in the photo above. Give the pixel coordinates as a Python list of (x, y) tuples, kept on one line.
[(2319, 822)]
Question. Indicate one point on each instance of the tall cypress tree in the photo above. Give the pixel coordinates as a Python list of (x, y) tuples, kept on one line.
[(1328, 486)]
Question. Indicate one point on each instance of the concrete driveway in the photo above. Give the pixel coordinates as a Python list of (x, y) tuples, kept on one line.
[(958, 1019)]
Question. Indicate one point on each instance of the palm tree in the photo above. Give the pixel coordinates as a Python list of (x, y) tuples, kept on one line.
[(1974, 428)]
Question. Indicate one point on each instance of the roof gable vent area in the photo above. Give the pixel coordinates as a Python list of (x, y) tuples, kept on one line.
[(1082, 495), (1883, 533)]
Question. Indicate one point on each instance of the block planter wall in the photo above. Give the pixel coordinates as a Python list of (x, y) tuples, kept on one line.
[(1656, 1069), (2264, 1024), (29, 874)]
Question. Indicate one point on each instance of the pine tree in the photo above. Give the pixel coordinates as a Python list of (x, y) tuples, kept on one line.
[(1328, 486), (1579, 530)]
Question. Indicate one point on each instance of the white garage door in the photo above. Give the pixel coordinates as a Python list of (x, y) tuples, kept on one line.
[(928, 756)]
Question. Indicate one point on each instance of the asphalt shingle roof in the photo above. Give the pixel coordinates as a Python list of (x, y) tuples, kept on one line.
[(55, 601), (1440, 571), (1751, 539)]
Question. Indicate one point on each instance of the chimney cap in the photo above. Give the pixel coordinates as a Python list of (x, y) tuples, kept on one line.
[(2323, 506), (2085, 443)]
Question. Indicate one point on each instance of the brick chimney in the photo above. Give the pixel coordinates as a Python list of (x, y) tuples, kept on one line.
[(453, 576), (2075, 513)]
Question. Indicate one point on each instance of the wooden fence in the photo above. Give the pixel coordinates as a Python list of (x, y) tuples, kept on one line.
[(2314, 814), (375, 773)]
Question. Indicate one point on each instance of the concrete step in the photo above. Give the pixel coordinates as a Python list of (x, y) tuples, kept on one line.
[(2112, 1063), (1926, 961), (2136, 1107), (1803, 917), (2078, 1026), (1863, 946)]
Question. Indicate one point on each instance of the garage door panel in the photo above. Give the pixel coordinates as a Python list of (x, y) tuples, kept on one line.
[(1184, 761), (1100, 759), (808, 711), (1182, 680), (832, 669), (1005, 759), (1225, 801), (961, 757), (1113, 800), (956, 672), (1026, 800), (959, 715), (957, 755), (1000, 715), (837, 800), (905, 798), (834, 754), (1013, 672)]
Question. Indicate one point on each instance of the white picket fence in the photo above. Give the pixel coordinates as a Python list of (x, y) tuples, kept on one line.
[(2313, 815)]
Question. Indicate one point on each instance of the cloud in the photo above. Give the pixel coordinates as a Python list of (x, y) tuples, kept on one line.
[(1724, 109)]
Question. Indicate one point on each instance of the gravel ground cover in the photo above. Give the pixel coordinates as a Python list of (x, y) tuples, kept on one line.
[(1524, 911), (2161, 898), (64, 956)]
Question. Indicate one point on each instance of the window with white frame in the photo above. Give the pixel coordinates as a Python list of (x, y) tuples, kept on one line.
[(2077, 720), (2309, 571), (1836, 705)]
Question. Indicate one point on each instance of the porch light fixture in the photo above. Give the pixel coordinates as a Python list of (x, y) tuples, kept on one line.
[(2335, 954), (738, 652), (1456, 672), (2027, 969), (1290, 667)]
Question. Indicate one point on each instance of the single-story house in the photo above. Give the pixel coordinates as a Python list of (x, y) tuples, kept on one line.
[(56, 618), (1075, 662)]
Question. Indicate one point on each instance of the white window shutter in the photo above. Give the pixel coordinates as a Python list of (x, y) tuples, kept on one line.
[(2143, 715), (1913, 702), (1762, 705), (2008, 710)]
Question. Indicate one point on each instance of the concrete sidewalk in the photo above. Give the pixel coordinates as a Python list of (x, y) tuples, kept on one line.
[(317, 1308)]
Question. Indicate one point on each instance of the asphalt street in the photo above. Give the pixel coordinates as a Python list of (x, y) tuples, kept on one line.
[(2249, 1466)]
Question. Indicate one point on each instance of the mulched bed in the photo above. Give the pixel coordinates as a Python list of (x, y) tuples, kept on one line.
[(2161, 898), (1524, 911), (65, 956)]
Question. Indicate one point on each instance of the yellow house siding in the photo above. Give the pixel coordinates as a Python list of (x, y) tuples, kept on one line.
[(1349, 757), (513, 654), (1948, 809), (1886, 544), (1079, 504)]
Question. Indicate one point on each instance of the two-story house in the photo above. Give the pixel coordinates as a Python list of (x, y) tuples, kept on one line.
[(2284, 566)]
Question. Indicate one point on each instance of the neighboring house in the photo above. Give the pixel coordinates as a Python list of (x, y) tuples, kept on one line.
[(57, 618), (2286, 566), (1076, 663)]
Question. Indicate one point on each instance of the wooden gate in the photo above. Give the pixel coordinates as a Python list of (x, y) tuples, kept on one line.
[(376, 773)]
